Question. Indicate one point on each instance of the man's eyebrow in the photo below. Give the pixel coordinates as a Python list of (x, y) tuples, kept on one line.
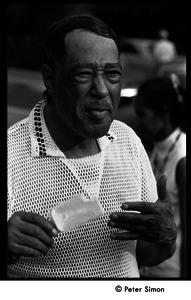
[(113, 65), (94, 66)]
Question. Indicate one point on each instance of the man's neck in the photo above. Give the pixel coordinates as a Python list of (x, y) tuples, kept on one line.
[(84, 149), (71, 144), (165, 132)]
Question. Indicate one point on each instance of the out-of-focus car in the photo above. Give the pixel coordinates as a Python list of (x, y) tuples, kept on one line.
[(24, 89), (137, 64), (137, 47), (136, 59), (177, 67)]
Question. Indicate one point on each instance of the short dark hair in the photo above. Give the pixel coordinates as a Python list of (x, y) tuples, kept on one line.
[(54, 46), (160, 94)]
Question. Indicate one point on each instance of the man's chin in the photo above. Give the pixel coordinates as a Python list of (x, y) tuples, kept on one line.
[(97, 130)]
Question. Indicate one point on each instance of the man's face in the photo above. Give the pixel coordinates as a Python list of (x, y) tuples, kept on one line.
[(149, 124), (87, 87)]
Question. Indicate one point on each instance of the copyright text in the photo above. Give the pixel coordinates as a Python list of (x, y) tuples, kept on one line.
[(146, 289)]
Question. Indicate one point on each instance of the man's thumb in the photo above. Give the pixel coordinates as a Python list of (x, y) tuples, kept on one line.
[(161, 187)]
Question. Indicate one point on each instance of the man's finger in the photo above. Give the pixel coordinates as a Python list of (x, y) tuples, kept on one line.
[(32, 242), (25, 251), (37, 219), (129, 227), (123, 236), (140, 206), (37, 232), (128, 218), (161, 187)]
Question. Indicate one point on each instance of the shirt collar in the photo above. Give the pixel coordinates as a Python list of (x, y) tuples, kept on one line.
[(42, 144)]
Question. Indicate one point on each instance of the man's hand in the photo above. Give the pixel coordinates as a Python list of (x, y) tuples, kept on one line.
[(155, 222), (29, 234)]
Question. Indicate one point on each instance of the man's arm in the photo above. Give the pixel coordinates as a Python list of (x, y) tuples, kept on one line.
[(151, 254), (153, 227), (181, 183)]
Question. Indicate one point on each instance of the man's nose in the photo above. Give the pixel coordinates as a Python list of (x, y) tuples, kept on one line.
[(100, 88)]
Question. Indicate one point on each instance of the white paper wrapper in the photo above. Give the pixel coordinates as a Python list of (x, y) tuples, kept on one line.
[(75, 211)]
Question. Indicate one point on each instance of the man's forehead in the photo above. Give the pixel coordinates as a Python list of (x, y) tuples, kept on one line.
[(86, 48), (94, 66), (87, 38)]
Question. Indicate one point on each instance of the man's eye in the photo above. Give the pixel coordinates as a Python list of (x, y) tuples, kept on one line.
[(113, 75), (84, 74)]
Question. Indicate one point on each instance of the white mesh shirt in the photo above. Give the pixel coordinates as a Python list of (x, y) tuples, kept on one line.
[(40, 177)]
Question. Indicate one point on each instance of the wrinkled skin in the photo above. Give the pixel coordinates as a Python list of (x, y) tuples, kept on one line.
[(86, 89), (29, 234), (154, 223)]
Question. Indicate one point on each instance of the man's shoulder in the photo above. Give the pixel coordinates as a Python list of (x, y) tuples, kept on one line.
[(121, 129), (18, 128), (180, 148)]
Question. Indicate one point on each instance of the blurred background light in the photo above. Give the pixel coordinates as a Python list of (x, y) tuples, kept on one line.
[(128, 92)]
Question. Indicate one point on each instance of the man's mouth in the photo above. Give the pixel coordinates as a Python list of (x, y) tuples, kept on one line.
[(98, 112)]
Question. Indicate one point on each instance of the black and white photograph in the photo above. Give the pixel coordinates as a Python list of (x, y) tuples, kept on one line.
[(96, 148)]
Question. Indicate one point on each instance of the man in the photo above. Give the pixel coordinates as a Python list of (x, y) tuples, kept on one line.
[(164, 51), (70, 145)]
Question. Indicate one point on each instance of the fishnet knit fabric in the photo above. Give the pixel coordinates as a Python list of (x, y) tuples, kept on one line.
[(40, 177)]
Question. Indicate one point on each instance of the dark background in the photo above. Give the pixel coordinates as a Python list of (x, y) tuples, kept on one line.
[(27, 24)]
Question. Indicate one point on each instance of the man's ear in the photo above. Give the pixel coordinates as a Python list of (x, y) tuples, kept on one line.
[(48, 78)]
